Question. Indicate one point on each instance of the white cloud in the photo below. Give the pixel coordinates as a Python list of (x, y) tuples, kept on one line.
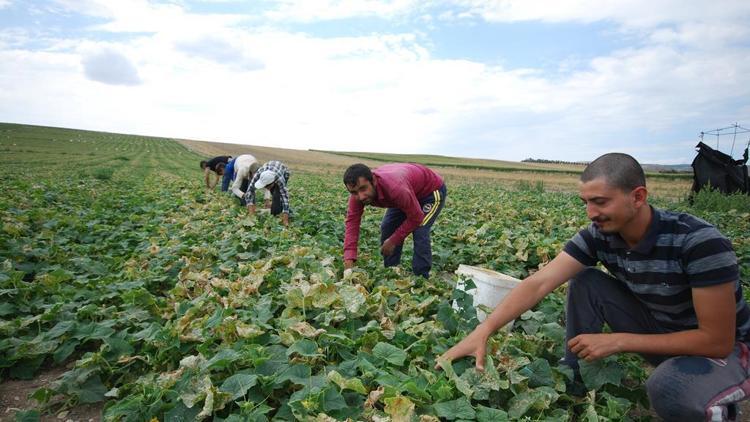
[(5, 3), (638, 13), (204, 77), (315, 10), (147, 16), (110, 67), (220, 50)]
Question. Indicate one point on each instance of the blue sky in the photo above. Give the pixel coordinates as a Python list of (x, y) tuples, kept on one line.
[(504, 79)]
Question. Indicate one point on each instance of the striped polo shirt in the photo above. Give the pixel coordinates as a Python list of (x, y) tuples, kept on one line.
[(679, 252)]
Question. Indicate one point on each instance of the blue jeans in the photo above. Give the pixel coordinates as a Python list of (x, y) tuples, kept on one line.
[(228, 175), (422, 261), (681, 388)]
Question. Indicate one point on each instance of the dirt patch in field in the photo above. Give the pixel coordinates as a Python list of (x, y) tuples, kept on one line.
[(14, 397)]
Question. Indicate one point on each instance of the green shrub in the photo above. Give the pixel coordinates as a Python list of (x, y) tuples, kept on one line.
[(528, 186), (122, 158), (713, 200), (103, 173)]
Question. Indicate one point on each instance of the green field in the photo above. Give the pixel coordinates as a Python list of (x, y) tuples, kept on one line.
[(161, 300)]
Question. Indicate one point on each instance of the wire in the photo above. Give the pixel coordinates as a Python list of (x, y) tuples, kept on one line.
[(737, 129)]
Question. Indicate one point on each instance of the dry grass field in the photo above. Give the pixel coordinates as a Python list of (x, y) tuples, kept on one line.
[(523, 174)]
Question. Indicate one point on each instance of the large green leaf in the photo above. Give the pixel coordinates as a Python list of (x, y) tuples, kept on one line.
[(181, 413), (222, 359), (304, 347), (297, 374), (389, 353), (344, 383), (600, 372), (238, 384), (455, 409), (333, 400), (60, 328), (92, 390), (540, 398), (488, 414)]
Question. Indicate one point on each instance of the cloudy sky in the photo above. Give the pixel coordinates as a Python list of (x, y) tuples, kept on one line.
[(505, 79)]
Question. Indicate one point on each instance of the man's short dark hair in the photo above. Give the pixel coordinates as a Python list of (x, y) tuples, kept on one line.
[(354, 172), (619, 170), (204, 163)]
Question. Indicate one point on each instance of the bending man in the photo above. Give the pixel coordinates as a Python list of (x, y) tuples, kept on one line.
[(215, 166), (244, 168), (414, 196), (672, 293), (272, 176)]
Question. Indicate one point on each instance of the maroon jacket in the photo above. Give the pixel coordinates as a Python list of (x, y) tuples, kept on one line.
[(397, 186)]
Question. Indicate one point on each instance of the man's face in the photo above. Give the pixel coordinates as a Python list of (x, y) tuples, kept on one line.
[(364, 191), (608, 207)]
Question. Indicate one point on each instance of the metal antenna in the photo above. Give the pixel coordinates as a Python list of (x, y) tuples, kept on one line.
[(717, 139)]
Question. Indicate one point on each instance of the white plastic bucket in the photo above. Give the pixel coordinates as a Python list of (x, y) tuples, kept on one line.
[(492, 287)]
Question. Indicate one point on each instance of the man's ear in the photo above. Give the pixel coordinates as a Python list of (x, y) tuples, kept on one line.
[(640, 196)]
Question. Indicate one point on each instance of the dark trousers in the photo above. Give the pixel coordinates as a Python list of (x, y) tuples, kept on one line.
[(681, 388), (243, 188), (276, 206), (421, 263)]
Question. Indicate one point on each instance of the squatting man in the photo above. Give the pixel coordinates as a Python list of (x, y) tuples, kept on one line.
[(671, 293)]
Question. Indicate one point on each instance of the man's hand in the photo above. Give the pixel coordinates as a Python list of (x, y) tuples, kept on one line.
[(251, 209), (591, 347), (387, 248), (206, 173), (472, 345), (348, 266), (285, 219)]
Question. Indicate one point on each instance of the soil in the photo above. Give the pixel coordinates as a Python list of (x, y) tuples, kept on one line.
[(14, 396)]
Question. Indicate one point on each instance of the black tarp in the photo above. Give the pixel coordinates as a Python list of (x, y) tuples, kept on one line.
[(720, 171)]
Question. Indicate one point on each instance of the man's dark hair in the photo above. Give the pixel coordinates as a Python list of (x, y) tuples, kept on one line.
[(204, 163), (619, 170), (354, 172)]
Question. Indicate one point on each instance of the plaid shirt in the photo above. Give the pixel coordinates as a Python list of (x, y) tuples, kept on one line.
[(281, 179)]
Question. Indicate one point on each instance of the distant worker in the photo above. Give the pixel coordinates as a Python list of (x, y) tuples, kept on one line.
[(414, 196), (243, 169), (215, 166), (228, 175), (274, 177), (671, 293)]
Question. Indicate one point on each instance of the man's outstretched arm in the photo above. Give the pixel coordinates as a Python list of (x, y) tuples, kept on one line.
[(522, 298)]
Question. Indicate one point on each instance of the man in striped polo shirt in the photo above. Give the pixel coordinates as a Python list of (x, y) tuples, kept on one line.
[(671, 293), (414, 196)]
